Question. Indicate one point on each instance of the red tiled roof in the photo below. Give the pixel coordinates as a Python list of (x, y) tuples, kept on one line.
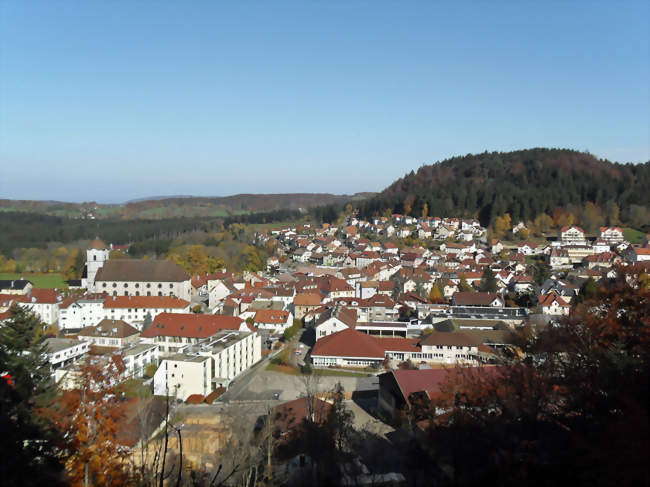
[(194, 399), (271, 316), (190, 325), (348, 343), (35, 295), (547, 299), (307, 299)]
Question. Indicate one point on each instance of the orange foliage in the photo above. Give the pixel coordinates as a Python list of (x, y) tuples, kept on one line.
[(89, 417)]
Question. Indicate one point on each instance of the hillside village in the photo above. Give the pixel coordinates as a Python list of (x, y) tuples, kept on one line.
[(359, 300), (359, 297)]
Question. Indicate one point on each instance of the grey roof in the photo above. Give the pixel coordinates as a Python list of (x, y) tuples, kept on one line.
[(132, 270), (14, 284), (53, 345), (449, 339)]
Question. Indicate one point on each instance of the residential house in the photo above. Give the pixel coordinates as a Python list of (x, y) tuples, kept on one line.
[(572, 235), (110, 333), (275, 320)]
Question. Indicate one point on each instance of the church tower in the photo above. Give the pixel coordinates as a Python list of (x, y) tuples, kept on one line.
[(96, 255)]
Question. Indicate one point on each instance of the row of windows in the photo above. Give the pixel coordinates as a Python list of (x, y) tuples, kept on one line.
[(137, 285)]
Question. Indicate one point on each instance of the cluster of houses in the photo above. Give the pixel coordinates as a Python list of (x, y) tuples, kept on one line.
[(364, 298)]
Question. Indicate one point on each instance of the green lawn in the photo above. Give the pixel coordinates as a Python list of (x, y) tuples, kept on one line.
[(632, 235), (134, 388), (43, 281)]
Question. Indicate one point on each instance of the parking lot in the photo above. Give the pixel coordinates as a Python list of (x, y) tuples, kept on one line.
[(264, 385)]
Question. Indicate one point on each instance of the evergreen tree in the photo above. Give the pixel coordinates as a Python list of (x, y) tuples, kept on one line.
[(489, 282), (147, 321), (27, 449), (464, 285)]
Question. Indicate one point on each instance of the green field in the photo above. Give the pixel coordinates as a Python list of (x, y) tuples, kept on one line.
[(43, 281), (633, 236)]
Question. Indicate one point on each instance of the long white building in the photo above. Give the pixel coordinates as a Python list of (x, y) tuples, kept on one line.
[(203, 367)]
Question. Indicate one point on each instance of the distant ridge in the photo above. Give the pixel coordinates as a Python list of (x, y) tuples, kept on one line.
[(157, 207)]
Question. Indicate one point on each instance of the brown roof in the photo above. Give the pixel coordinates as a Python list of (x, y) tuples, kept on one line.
[(97, 244), (307, 299), (190, 325), (109, 328), (133, 270), (475, 299), (35, 295), (449, 339), (348, 343)]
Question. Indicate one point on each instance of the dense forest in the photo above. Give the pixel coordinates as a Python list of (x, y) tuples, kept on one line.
[(187, 206), (525, 184)]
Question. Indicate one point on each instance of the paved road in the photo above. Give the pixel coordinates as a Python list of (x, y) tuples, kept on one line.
[(264, 385)]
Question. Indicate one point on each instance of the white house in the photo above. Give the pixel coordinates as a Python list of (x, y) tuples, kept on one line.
[(612, 235), (553, 304), (109, 333), (62, 352), (335, 319), (572, 235), (275, 320)]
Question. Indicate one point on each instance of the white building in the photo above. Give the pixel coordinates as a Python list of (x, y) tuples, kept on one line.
[(97, 254), (131, 277), (109, 333), (44, 303), (137, 357), (572, 235), (76, 312), (205, 366), (62, 352)]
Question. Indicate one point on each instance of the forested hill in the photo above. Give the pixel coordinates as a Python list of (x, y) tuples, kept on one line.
[(525, 184), (181, 206)]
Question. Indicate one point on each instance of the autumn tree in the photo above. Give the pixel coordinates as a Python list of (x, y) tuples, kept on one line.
[(502, 225), (435, 296), (74, 264), (574, 411), (408, 204), (89, 416)]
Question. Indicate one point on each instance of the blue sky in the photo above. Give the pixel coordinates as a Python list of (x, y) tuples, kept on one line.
[(110, 101)]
